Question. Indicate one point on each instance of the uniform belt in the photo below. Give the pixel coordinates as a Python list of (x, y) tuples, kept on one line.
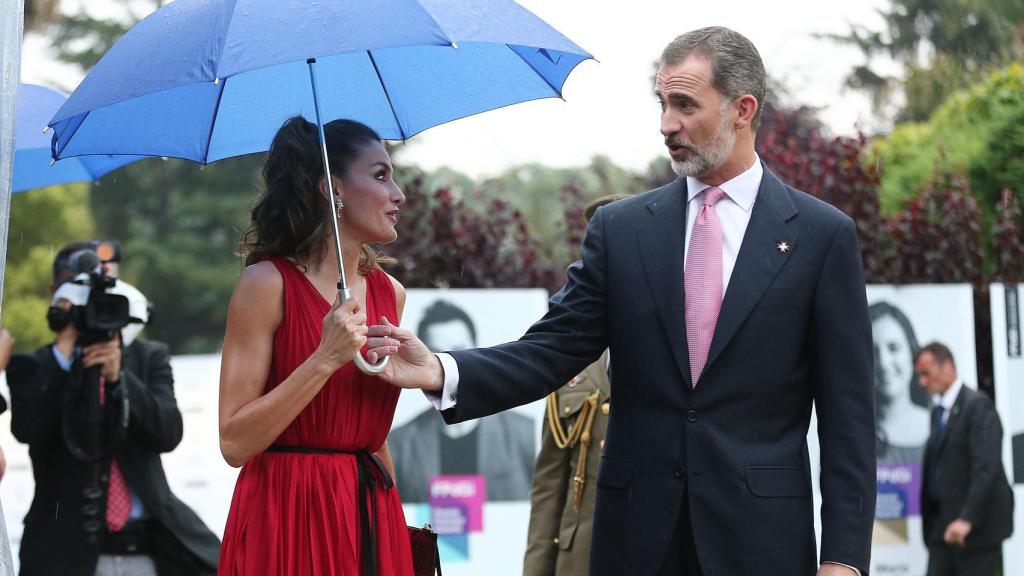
[(369, 482)]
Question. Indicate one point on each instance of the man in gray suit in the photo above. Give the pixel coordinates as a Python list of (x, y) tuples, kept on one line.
[(500, 447), (966, 501)]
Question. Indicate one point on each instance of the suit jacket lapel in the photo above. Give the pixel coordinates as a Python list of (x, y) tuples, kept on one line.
[(662, 242), (759, 259)]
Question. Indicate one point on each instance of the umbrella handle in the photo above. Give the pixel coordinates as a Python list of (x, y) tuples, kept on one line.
[(371, 369), (361, 363)]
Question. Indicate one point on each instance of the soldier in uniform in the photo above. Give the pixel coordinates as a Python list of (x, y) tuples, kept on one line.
[(562, 500)]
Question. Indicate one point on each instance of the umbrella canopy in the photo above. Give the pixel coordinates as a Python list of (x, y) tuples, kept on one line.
[(33, 166), (210, 79)]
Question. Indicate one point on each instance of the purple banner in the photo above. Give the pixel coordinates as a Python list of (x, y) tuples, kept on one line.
[(899, 491), (457, 503)]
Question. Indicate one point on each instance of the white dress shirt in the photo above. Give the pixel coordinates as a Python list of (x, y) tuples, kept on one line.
[(948, 398), (733, 213)]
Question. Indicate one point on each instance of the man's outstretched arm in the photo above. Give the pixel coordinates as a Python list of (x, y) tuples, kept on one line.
[(483, 381)]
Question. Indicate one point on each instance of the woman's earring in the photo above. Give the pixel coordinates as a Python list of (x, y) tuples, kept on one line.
[(338, 204)]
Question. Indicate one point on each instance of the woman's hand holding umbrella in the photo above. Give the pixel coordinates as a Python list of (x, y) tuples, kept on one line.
[(344, 333)]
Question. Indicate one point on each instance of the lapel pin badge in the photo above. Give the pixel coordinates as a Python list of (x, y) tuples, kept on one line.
[(783, 247)]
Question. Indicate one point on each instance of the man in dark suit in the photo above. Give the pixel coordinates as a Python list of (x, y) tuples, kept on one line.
[(732, 304), (140, 527), (500, 447), (966, 501)]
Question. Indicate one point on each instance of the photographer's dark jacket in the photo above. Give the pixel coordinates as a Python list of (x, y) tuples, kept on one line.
[(54, 541)]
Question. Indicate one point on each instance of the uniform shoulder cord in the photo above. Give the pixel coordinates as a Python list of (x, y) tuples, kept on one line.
[(579, 432)]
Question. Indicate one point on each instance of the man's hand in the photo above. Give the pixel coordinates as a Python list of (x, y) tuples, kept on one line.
[(412, 365), (836, 570), (106, 355), (957, 531)]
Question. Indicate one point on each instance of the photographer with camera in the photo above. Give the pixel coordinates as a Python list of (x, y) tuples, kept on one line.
[(97, 409)]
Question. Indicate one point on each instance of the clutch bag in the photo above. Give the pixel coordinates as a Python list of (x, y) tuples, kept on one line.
[(426, 560)]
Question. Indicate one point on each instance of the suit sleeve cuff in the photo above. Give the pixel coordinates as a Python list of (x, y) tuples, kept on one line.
[(854, 570), (445, 399)]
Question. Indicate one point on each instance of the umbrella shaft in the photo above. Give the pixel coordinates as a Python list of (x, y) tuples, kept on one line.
[(342, 285)]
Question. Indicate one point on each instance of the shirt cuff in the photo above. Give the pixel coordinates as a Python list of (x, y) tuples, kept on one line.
[(445, 399), (855, 571)]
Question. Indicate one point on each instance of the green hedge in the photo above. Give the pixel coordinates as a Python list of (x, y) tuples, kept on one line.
[(978, 132)]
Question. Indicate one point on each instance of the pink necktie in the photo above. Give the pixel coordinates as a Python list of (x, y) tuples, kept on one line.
[(119, 501), (703, 279)]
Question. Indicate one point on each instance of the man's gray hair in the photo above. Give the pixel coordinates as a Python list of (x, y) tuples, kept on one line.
[(736, 66)]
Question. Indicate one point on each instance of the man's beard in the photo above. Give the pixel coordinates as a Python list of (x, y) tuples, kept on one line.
[(710, 156)]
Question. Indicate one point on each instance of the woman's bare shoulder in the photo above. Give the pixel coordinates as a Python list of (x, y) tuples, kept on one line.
[(260, 280)]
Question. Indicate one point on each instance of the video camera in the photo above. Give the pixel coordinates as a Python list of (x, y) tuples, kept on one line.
[(97, 310)]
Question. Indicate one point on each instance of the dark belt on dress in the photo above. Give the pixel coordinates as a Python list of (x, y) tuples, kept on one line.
[(369, 482)]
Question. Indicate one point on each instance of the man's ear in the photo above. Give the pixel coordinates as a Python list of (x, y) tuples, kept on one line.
[(746, 108)]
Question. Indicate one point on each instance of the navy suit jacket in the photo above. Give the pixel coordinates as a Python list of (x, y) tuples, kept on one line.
[(793, 331)]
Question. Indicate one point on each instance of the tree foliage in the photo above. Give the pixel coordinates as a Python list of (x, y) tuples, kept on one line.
[(978, 131), (82, 39), (178, 225), (941, 46), (451, 242), (42, 221)]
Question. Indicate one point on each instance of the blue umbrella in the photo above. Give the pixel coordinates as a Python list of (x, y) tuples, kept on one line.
[(33, 165), (210, 79)]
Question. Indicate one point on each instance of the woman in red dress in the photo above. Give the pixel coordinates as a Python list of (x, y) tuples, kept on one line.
[(315, 493)]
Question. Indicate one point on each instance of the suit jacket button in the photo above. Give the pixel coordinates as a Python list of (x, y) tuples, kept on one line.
[(556, 540), (691, 415), (679, 472)]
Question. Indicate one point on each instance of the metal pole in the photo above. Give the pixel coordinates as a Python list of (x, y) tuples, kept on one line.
[(11, 22), (342, 285), (343, 290)]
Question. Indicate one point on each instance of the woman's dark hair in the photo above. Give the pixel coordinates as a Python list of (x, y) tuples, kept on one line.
[(883, 399), (290, 219)]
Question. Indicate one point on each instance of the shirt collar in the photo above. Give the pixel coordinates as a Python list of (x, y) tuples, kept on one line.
[(949, 396), (742, 189)]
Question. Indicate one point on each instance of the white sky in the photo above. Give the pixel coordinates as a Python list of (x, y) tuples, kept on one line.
[(609, 108)]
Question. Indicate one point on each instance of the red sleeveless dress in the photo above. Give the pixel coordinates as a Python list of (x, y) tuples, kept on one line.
[(297, 514)]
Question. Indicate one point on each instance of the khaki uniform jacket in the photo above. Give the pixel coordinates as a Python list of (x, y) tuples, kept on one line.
[(558, 542)]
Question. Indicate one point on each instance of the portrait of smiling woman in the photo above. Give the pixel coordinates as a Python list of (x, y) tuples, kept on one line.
[(901, 405)]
